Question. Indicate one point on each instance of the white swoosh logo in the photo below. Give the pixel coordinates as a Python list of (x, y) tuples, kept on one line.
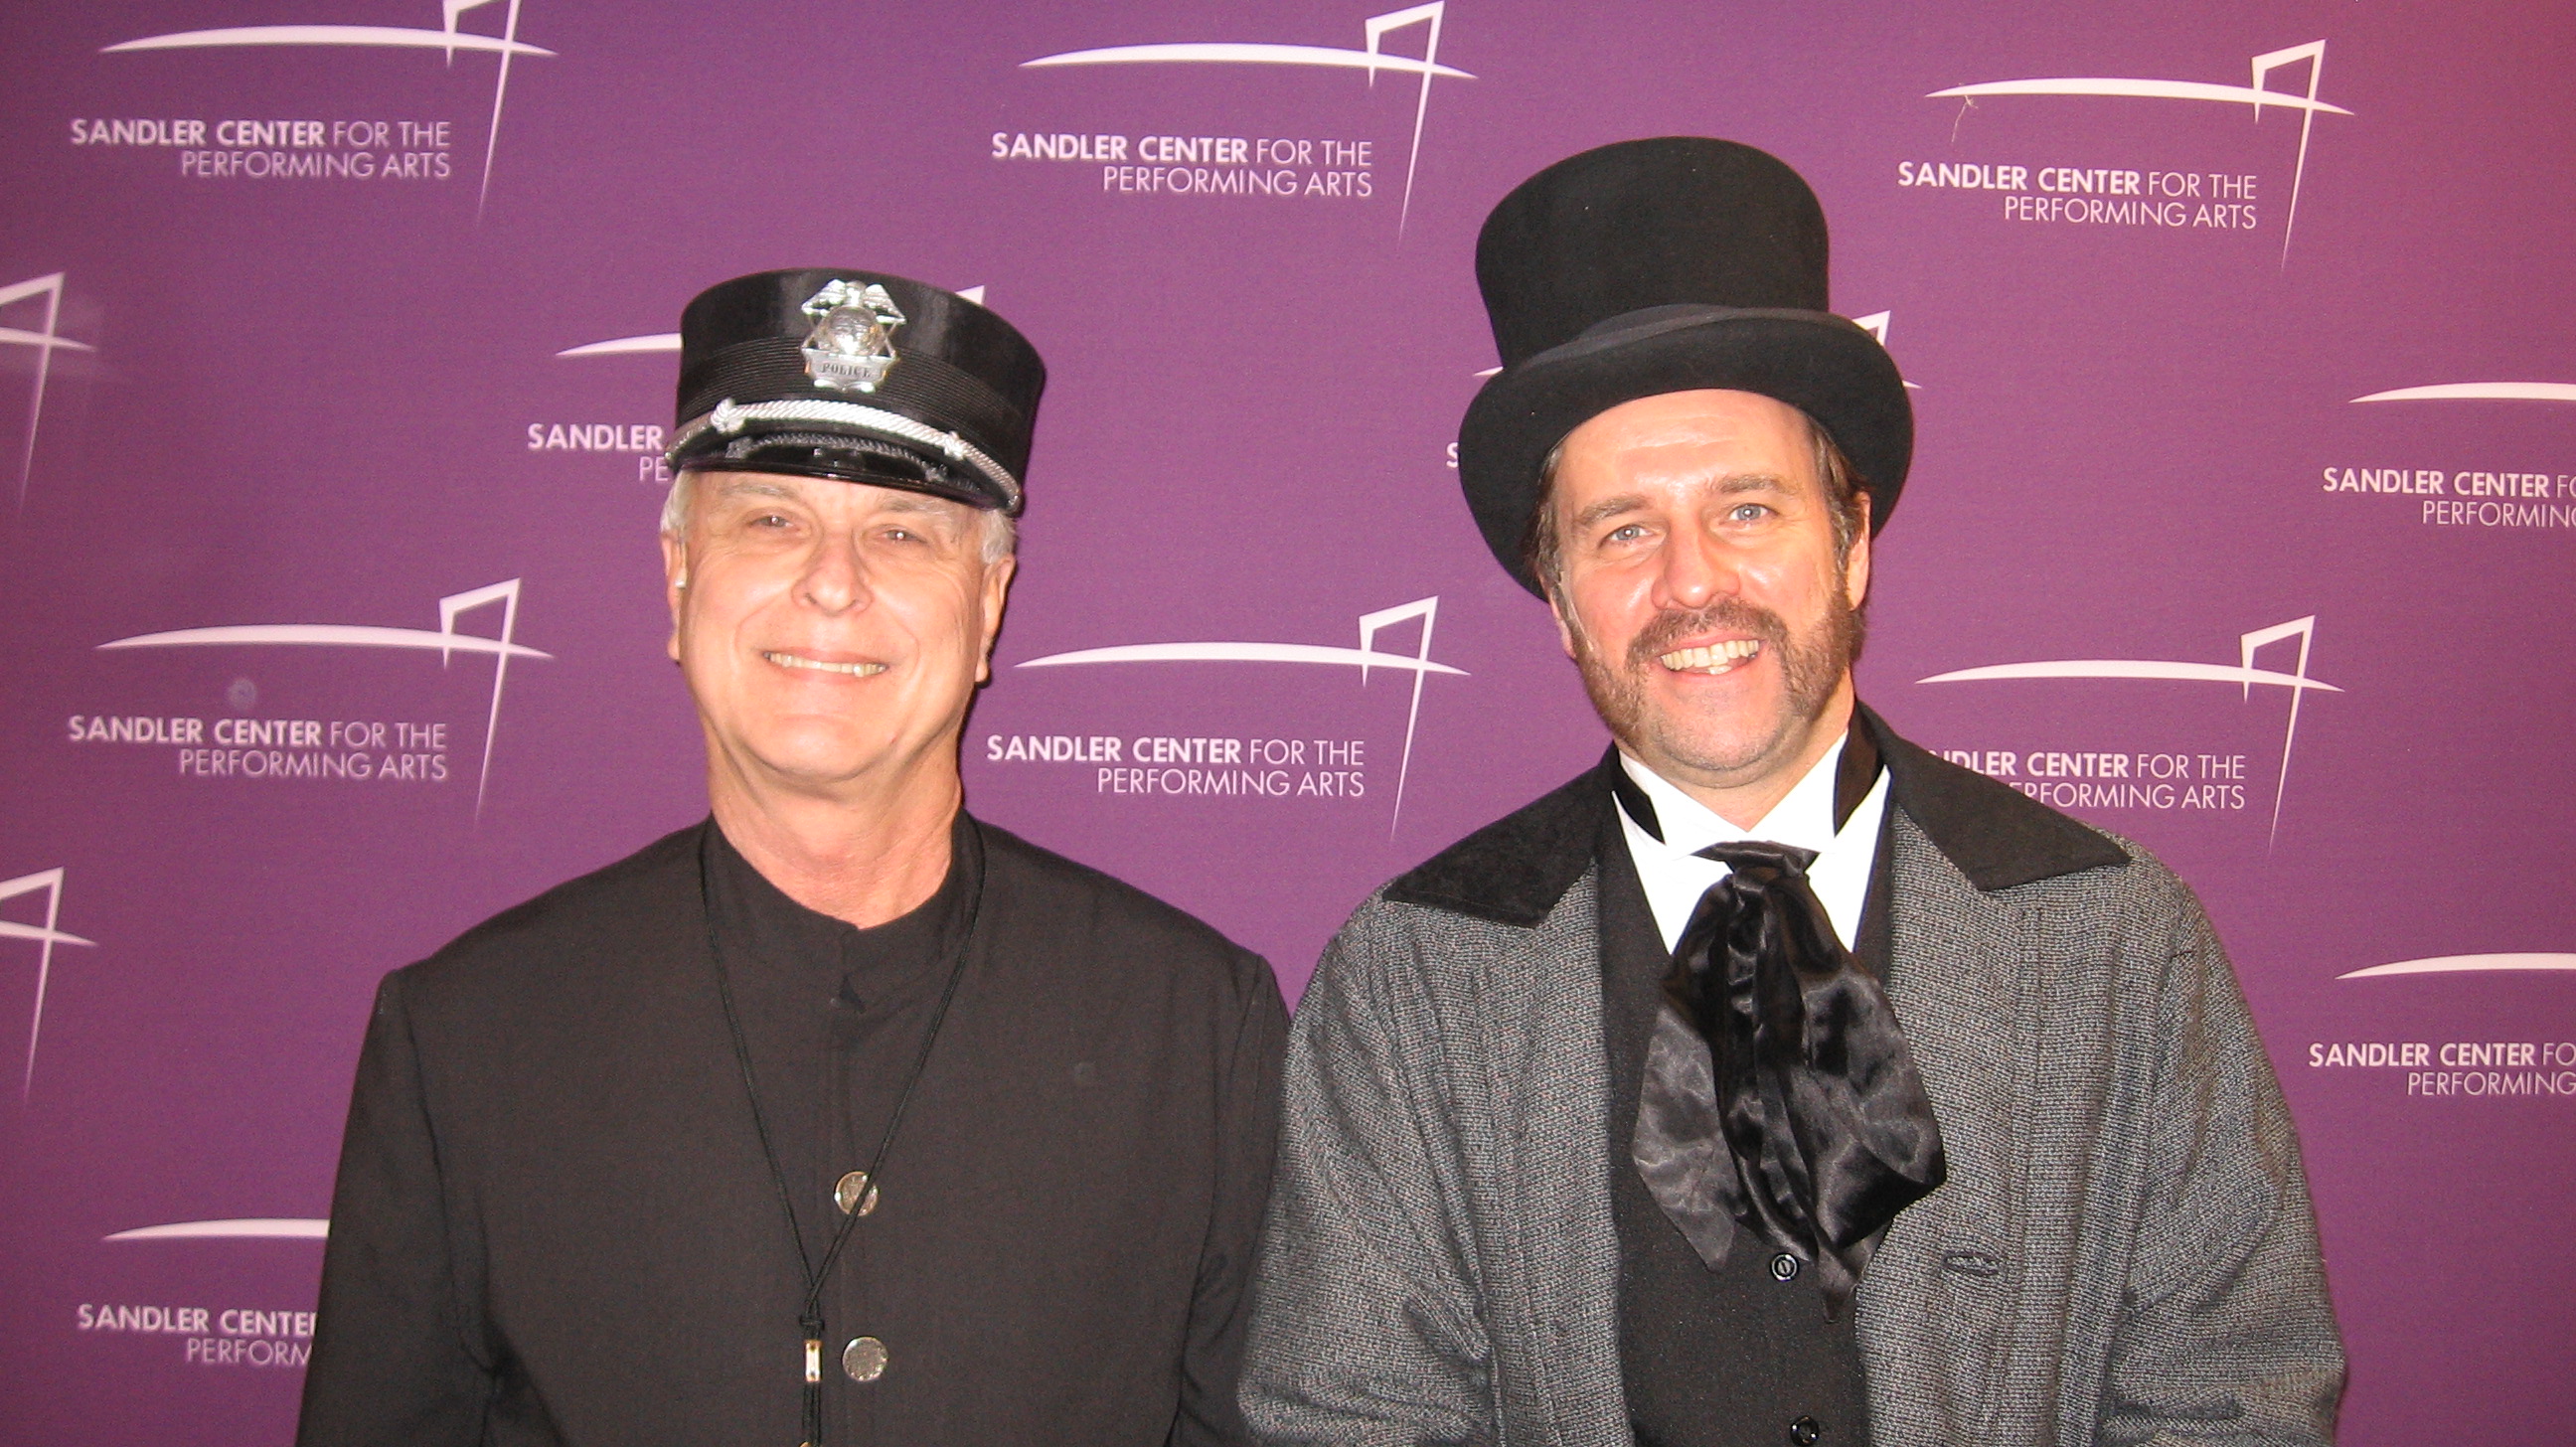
[(449, 39), (1425, 611), (2243, 674), (46, 936), (12, 930), (2244, 95), (2479, 392), (49, 287), (2132, 668), (1229, 53), (1373, 30), (1361, 659), (445, 643), (329, 634), (623, 346), (39, 339), (248, 1228), (2256, 95), (670, 341), (379, 36), (2465, 965)]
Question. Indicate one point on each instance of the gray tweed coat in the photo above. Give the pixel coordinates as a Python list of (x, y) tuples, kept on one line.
[(2124, 1252)]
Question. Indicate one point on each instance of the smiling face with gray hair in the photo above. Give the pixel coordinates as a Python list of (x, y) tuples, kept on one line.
[(832, 633)]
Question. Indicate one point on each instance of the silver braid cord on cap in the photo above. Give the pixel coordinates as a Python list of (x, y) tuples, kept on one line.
[(729, 418)]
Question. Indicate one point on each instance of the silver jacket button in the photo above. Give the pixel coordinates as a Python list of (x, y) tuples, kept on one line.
[(864, 1359), (854, 1193), (1784, 1267)]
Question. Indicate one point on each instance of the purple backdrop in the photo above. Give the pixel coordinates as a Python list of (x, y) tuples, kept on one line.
[(332, 360)]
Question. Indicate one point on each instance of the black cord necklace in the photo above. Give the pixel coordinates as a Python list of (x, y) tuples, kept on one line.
[(810, 1317)]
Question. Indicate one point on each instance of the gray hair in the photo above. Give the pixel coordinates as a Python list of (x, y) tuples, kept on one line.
[(1001, 530)]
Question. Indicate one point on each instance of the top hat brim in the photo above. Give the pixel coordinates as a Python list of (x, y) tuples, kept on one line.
[(1823, 365)]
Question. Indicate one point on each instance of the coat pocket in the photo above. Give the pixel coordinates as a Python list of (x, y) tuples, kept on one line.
[(1936, 1307)]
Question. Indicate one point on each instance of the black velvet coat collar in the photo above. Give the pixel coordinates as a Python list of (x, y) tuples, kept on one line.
[(1514, 870)]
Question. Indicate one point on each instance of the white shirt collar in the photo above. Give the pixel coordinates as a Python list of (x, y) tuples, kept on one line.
[(1675, 877)]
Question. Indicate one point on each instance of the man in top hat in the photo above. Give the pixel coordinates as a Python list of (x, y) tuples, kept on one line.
[(1774, 1081), (840, 1117)]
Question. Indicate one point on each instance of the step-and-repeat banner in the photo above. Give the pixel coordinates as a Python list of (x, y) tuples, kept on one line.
[(336, 358)]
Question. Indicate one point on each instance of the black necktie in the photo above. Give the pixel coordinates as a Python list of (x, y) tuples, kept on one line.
[(1818, 1101)]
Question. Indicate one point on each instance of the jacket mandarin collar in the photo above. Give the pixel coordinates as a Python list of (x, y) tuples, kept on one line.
[(1514, 871)]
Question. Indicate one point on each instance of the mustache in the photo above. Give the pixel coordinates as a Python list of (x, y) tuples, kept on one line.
[(1668, 628)]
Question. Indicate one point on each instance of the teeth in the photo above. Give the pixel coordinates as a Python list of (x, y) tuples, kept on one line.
[(856, 670), (1716, 658)]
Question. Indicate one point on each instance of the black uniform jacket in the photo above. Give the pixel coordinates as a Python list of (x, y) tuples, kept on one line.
[(554, 1222)]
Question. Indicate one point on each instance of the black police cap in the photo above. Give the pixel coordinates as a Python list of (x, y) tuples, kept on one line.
[(860, 376)]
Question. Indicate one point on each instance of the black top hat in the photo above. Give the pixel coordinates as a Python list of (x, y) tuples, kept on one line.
[(1654, 266), (859, 376)]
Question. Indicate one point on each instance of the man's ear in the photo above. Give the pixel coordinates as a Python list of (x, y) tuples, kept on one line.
[(997, 597), (675, 580), (1856, 562), (1564, 630)]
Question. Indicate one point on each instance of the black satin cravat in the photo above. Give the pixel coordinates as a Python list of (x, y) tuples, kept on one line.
[(1827, 1130)]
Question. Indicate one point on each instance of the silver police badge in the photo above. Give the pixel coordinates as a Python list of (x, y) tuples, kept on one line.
[(852, 345)]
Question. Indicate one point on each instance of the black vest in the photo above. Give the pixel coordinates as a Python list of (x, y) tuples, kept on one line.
[(1731, 1357)]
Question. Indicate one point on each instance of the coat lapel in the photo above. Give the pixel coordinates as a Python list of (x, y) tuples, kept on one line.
[(1516, 870)]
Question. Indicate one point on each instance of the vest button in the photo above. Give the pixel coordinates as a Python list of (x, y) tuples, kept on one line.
[(853, 1193), (1784, 1267), (865, 1359), (1804, 1432)]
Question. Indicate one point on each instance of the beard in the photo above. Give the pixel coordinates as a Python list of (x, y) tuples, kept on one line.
[(1812, 665)]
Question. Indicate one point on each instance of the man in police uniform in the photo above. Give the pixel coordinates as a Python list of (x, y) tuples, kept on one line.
[(842, 1116), (1774, 1081)]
